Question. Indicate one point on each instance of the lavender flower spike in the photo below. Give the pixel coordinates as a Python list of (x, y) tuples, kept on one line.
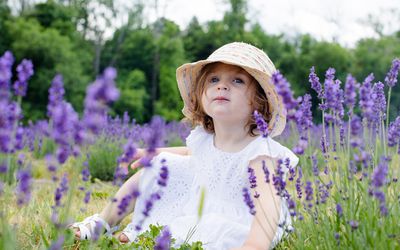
[(394, 133), (249, 201), (163, 241), (350, 93), (391, 77), (262, 125), (6, 62), (283, 89), (380, 173), (25, 71), (56, 93), (315, 84), (23, 189)]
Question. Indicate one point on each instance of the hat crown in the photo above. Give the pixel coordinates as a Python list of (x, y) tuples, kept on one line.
[(246, 55)]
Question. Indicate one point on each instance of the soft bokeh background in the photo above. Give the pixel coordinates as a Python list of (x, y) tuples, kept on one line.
[(60, 156), (147, 40)]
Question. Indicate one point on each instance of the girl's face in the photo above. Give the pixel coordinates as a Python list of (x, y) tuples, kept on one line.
[(227, 93)]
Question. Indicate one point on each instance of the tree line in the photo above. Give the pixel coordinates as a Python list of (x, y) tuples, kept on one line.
[(68, 37)]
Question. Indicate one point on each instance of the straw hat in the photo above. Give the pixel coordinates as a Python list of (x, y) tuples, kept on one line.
[(251, 59)]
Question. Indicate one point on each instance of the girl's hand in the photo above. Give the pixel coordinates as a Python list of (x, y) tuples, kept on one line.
[(135, 162)]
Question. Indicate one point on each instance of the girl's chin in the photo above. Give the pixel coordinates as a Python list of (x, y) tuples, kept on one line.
[(228, 116)]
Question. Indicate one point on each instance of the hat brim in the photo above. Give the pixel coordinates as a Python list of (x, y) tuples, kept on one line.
[(187, 74)]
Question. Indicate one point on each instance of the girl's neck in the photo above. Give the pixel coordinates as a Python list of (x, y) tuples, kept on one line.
[(231, 138)]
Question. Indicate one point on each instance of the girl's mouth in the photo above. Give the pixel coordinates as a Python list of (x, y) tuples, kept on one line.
[(221, 98)]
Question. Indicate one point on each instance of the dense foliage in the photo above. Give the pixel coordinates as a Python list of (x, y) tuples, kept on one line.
[(68, 37)]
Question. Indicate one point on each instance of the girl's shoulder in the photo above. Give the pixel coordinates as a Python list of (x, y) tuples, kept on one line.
[(196, 137), (270, 148)]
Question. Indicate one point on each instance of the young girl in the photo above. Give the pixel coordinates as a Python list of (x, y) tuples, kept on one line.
[(220, 95)]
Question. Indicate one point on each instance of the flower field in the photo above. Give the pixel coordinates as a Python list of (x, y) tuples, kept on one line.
[(342, 195)]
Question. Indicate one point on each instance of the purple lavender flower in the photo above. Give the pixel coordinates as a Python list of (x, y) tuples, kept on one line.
[(98, 229), (56, 93), (3, 168), (64, 122), (315, 169), (249, 201), (324, 144), (262, 125), (278, 180), (315, 84), (10, 114), (353, 224), (119, 176), (391, 76), (283, 88), (21, 159), (366, 101), (339, 210), (86, 199), (61, 190), (126, 200), (304, 115), (154, 140), (341, 133), (252, 177), (6, 62), (98, 95), (355, 125), (163, 177), (19, 136), (51, 166), (85, 172), (337, 237), (149, 203), (380, 173), (292, 173), (309, 191), (394, 133), (129, 152), (58, 244), (126, 119), (350, 92), (292, 207), (25, 71), (330, 74), (163, 241), (333, 94), (299, 184), (323, 191), (301, 146), (378, 96), (266, 171), (23, 188), (5, 128), (380, 196)]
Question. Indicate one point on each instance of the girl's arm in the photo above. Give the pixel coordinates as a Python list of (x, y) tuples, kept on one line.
[(267, 206), (140, 152), (174, 150)]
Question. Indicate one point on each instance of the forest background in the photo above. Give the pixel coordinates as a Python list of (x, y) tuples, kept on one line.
[(72, 37)]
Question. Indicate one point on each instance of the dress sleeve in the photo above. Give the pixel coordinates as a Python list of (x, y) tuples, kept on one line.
[(271, 148), (196, 137)]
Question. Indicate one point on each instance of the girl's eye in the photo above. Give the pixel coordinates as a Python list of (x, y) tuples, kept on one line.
[(238, 80), (214, 79)]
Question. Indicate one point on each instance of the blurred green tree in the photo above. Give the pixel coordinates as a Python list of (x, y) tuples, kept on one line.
[(51, 53)]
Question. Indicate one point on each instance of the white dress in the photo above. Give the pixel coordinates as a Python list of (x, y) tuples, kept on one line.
[(225, 221)]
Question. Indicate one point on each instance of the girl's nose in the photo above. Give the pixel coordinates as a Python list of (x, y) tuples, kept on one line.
[(222, 85)]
